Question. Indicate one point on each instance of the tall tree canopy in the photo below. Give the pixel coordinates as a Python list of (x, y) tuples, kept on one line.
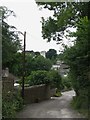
[(10, 39), (52, 53), (77, 56), (66, 14)]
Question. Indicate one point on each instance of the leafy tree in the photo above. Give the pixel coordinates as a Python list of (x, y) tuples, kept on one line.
[(33, 62), (17, 66), (32, 53), (42, 63), (60, 56), (66, 14), (72, 14), (38, 62), (51, 78), (37, 53), (77, 57), (38, 77), (52, 53), (55, 79), (10, 40)]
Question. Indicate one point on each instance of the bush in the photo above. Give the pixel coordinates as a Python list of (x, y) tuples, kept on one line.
[(11, 103), (38, 77), (55, 79), (81, 102), (45, 77), (66, 83)]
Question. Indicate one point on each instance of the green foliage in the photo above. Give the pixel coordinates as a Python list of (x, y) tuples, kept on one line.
[(11, 103), (34, 63), (42, 63), (60, 56), (16, 67), (10, 40), (55, 79), (66, 14), (44, 77), (51, 54), (67, 85), (38, 77), (81, 102), (77, 58)]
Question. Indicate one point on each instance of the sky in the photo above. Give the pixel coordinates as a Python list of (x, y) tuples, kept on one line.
[(28, 17)]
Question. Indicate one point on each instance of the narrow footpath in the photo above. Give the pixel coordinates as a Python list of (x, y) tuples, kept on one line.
[(57, 107)]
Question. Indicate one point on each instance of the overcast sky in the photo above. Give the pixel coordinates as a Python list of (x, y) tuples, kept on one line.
[(28, 17)]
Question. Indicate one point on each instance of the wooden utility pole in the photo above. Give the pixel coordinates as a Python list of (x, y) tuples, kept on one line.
[(23, 79)]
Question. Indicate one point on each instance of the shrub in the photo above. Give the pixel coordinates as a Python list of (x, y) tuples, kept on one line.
[(38, 77), (81, 102), (11, 103), (66, 83), (45, 77), (55, 79)]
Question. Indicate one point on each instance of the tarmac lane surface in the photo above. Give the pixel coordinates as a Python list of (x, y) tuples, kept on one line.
[(56, 107)]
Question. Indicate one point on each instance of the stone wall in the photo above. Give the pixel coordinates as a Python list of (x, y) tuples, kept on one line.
[(7, 84), (7, 81), (36, 93)]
